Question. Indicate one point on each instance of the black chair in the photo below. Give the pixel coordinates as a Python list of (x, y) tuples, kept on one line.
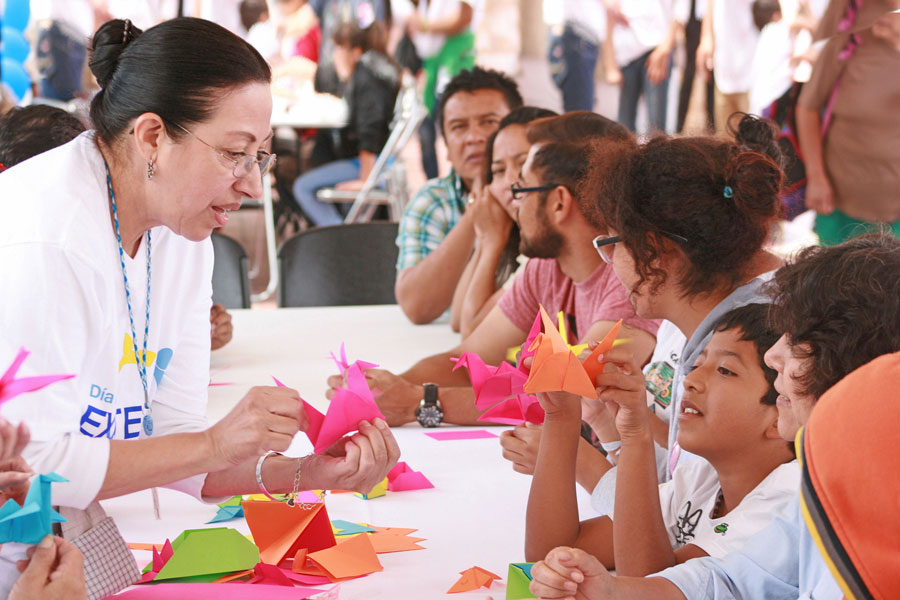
[(341, 265), (231, 284)]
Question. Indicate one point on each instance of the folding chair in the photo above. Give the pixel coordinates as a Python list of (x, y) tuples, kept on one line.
[(386, 184)]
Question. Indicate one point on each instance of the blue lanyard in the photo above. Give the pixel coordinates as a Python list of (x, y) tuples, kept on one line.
[(139, 358)]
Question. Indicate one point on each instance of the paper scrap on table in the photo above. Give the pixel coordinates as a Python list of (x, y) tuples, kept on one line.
[(203, 552), (394, 539), (404, 478), (472, 579), (554, 367), (348, 406), (341, 527), (517, 581), (351, 557), (10, 386), (217, 591), (447, 436), (31, 522), (280, 530)]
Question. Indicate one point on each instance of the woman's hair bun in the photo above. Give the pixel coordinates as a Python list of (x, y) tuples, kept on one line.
[(107, 45), (754, 134)]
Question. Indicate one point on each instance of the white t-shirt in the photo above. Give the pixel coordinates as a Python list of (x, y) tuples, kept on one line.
[(648, 24), (589, 14), (429, 44), (688, 499), (690, 496), (735, 45), (64, 300)]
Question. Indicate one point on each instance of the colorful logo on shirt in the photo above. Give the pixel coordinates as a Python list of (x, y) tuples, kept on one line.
[(721, 528), (659, 382), (162, 358)]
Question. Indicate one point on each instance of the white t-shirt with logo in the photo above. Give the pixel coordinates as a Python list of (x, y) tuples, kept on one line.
[(64, 300), (688, 499)]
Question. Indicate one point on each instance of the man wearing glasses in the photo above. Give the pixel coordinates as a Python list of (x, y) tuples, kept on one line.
[(564, 273)]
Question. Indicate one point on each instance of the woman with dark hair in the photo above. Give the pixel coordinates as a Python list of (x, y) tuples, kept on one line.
[(496, 233), (107, 255), (372, 80), (687, 219)]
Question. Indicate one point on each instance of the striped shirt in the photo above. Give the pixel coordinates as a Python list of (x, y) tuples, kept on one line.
[(428, 218)]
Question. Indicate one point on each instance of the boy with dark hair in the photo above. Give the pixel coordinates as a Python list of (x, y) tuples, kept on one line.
[(30, 130), (837, 308), (710, 507), (436, 234)]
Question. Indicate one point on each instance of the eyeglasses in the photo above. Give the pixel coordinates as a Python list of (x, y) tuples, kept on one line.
[(606, 244), (518, 191), (243, 163)]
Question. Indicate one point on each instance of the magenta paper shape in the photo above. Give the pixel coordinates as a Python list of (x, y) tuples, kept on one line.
[(521, 409), (491, 384), (303, 578), (343, 365), (529, 342), (270, 575), (159, 561), (448, 436), (403, 478), (217, 591), (347, 408), (10, 387)]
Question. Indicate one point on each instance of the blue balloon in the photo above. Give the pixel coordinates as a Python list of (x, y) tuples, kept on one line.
[(13, 45), (16, 14), (15, 76)]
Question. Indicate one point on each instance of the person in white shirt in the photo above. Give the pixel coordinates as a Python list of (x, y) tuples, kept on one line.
[(709, 508), (106, 255)]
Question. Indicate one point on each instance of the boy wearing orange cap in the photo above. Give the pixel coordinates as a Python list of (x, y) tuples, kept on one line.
[(838, 308)]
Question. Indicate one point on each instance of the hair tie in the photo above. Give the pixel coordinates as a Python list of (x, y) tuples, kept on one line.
[(125, 31), (728, 192)]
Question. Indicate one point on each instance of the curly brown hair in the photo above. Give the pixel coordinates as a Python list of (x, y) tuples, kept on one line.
[(843, 303), (720, 197)]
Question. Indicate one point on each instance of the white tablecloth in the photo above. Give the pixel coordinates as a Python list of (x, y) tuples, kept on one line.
[(474, 516)]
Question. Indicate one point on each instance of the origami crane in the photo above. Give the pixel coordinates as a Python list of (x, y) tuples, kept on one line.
[(10, 387), (472, 579), (343, 365), (499, 392), (348, 406), (554, 366), (31, 522), (520, 409)]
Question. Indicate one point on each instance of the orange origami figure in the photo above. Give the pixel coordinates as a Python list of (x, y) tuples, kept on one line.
[(554, 366), (472, 579), (280, 530)]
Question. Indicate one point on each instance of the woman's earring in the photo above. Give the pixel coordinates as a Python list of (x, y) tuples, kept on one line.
[(151, 169)]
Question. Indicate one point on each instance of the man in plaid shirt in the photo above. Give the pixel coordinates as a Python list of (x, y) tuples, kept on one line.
[(436, 236)]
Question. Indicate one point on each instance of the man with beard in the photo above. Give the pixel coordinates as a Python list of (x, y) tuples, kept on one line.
[(564, 273)]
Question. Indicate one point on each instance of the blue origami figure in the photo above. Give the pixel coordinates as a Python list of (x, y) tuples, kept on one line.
[(31, 522)]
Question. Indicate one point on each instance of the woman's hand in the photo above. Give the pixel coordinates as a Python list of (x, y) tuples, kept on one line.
[(623, 390), (570, 573), (355, 463), (265, 419), (819, 194), (492, 223), (221, 328), (54, 571), (520, 447)]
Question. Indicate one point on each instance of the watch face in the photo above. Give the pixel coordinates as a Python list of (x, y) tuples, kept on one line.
[(430, 416)]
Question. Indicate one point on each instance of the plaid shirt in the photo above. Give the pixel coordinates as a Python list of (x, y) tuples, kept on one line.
[(427, 220)]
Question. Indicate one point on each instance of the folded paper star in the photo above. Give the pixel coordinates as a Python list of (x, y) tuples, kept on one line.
[(10, 387), (518, 580), (472, 579), (554, 366), (280, 530), (31, 522), (403, 478), (203, 554)]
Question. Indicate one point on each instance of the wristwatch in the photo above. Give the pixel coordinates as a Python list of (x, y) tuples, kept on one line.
[(430, 413)]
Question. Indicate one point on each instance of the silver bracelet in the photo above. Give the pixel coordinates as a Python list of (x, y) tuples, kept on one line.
[(259, 481)]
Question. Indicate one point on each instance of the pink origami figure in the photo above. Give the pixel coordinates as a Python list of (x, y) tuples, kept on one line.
[(343, 365), (499, 391), (10, 387), (403, 478), (349, 406)]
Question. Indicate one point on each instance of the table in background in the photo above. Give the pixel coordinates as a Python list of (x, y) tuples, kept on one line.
[(475, 515)]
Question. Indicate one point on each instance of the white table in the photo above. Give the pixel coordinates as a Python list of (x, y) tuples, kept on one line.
[(475, 515)]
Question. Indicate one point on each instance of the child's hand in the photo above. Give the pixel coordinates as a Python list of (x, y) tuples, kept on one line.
[(560, 405), (520, 447), (570, 573), (623, 390)]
